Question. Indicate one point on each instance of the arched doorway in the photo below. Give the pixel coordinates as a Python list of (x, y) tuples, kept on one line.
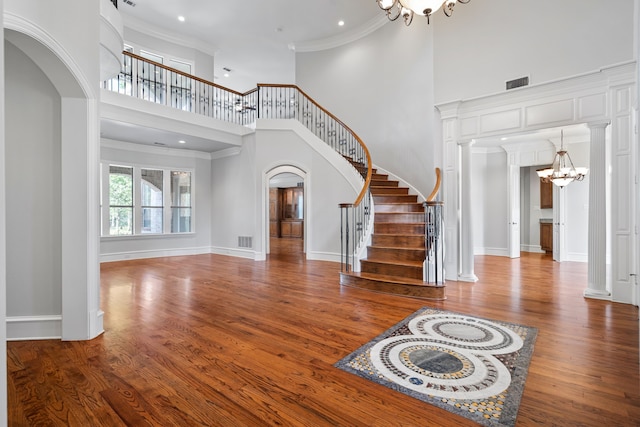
[(286, 209), (72, 311)]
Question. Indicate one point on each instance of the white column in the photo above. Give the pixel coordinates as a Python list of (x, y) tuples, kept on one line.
[(466, 230), (597, 255)]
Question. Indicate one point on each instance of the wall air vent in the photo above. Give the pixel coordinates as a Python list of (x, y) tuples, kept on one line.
[(245, 242), (522, 81)]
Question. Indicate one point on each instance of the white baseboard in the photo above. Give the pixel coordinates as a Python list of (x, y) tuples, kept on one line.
[(240, 253), (491, 251), (577, 257), (21, 328), (532, 248), (323, 256), (156, 253)]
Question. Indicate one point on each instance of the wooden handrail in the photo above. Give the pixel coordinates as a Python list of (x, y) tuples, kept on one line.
[(192, 77), (367, 180), (436, 188)]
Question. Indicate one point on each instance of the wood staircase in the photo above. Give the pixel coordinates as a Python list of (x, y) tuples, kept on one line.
[(397, 252)]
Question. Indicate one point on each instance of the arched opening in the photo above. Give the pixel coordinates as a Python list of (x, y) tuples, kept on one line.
[(286, 210), (59, 118)]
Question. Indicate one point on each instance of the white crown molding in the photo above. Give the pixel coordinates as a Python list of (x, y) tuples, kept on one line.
[(159, 33), (147, 149), (342, 39), (229, 152)]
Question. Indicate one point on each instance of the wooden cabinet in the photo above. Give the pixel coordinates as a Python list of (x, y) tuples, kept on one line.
[(286, 210), (274, 218), (546, 236), (546, 195), (291, 228)]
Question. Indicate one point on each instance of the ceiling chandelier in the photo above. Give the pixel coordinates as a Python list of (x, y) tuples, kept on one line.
[(562, 172), (408, 8)]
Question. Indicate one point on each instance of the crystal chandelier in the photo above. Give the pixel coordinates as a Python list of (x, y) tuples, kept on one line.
[(408, 8), (562, 172)]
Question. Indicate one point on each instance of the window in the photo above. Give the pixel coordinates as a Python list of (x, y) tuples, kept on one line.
[(180, 202), (151, 200), (137, 201), (120, 200)]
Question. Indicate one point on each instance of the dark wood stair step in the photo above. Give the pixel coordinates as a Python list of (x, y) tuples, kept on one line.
[(405, 269), (391, 254), (395, 198), (384, 183), (393, 285), (399, 217), (398, 240), (399, 207), (389, 191), (398, 228)]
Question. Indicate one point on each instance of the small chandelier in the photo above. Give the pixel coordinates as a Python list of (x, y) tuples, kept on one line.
[(408, 8), (562, 172)]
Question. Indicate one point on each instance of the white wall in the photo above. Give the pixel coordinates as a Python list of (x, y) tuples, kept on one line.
[(233, 200), (239, 193), (130, 247), (489, 202), (63, 22), (326, 188), (202, 62), (382, 88), (577, 193), (3, 248), (486, 43), (33, 192)]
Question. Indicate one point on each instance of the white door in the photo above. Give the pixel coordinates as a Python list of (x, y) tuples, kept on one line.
[(514, 211), (559, 215)]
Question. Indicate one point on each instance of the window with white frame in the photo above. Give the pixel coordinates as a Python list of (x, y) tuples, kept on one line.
[(145, 200)]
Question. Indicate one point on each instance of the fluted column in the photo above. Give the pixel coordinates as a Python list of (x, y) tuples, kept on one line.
[(466, 229), (597, 255)]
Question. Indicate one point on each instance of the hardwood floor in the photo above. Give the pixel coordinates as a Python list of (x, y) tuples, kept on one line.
[(215, 340)]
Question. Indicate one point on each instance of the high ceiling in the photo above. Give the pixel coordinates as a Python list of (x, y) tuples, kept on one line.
[(256, 39)]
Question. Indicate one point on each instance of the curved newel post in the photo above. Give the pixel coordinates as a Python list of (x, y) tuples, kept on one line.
[(433, 236)]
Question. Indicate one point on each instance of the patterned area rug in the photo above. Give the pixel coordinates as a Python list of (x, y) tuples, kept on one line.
[(467, 365)]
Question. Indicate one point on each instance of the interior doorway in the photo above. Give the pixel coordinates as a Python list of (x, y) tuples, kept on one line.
[(286, 213), (544, 217)]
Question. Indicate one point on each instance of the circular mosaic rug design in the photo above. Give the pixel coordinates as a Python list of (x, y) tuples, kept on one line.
[(445, 370), (467, 332), (468, 365)]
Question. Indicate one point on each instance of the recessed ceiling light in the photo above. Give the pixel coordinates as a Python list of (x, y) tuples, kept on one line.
[(182, 141), (341, 23), (226, 74), (181, 18), (504, 138)]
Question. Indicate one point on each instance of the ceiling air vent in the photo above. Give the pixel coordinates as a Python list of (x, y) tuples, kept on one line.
[(129, 2), (522, 81)]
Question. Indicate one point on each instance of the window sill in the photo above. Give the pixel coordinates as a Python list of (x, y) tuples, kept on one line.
[(146, 236)]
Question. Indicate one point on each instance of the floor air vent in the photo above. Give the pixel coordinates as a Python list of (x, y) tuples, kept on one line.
[(522, 81), (245, 242)]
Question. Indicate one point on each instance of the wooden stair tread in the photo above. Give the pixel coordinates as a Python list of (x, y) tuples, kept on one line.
[(405, 263), (402, 248), (393, 279)]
